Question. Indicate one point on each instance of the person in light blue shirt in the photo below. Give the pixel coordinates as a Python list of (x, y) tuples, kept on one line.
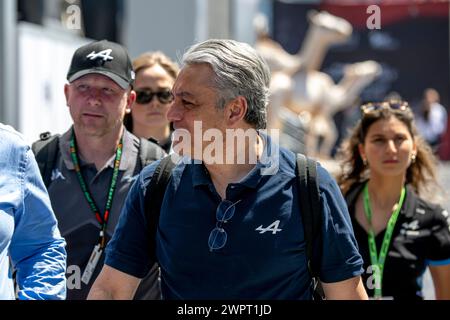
[(30, 242)]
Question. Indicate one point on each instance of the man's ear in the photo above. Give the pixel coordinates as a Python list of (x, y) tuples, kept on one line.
[(130, 101), (236, 110), (67, 93)]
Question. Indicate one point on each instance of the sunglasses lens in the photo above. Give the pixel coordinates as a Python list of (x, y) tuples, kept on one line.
[(217, 239), (225, 211), (143, 97), (370, 107), (165, 96), (399, 106)]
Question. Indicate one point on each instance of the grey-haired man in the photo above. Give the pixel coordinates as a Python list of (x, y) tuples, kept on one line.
[(228, 229)]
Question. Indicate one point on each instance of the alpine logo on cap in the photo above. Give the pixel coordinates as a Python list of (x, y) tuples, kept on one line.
[(105, 55)]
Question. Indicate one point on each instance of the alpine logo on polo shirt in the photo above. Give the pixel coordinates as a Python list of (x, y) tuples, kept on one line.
[(56, 174), (105, 55), (273, 228)]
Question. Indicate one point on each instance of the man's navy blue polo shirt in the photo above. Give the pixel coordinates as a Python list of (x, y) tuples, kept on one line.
[(264, 256)]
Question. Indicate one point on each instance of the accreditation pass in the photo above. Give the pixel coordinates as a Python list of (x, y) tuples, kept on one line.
[(92, 263)]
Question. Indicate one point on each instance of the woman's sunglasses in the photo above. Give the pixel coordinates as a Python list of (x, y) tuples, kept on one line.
[(393, 105), (146, 96)]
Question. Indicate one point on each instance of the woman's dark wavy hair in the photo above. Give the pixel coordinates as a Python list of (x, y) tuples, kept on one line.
[(419, 174)]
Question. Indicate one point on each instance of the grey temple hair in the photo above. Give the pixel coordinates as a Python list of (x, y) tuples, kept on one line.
[(239, 71)]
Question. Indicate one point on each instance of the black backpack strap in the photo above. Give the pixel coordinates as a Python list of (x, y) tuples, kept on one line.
[(352, 194), (46, 152), (311, 212), (154, 196), (149, 151), (314, 196)]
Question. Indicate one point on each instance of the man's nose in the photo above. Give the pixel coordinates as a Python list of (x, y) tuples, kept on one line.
[(175, 112), (94, 96)]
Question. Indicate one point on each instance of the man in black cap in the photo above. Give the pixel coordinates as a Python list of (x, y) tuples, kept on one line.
[(96, 161)]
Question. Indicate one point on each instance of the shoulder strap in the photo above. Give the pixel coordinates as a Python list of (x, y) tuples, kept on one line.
[(46, 151), (311, 212), (154, 196), (353, 192), (149, 152)]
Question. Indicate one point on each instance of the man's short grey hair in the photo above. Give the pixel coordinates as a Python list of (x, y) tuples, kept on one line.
[(239, 71)]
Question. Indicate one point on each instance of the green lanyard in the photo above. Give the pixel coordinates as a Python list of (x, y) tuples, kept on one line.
[(380, 260), (102, 220)]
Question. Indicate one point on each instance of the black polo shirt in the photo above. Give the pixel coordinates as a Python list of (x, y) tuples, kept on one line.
[(264, 256), (421, 237)]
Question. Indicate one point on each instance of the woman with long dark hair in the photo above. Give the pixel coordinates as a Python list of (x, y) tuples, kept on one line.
[(386, 168)]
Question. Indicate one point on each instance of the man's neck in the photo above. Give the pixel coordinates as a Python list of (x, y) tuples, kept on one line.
[(98, 149), (224, 174), (159, 133)]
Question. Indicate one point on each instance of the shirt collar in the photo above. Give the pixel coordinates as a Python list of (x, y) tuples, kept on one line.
[(200, 175), (129, 152), (64, 148), (408, 203)]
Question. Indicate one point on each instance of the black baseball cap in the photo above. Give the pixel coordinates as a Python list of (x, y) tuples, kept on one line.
[(102, 57)]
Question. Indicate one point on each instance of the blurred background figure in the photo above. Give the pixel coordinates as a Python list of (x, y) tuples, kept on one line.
[(274, 54), (300, 91), (155, 76), (431, 119), (282, 66)]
